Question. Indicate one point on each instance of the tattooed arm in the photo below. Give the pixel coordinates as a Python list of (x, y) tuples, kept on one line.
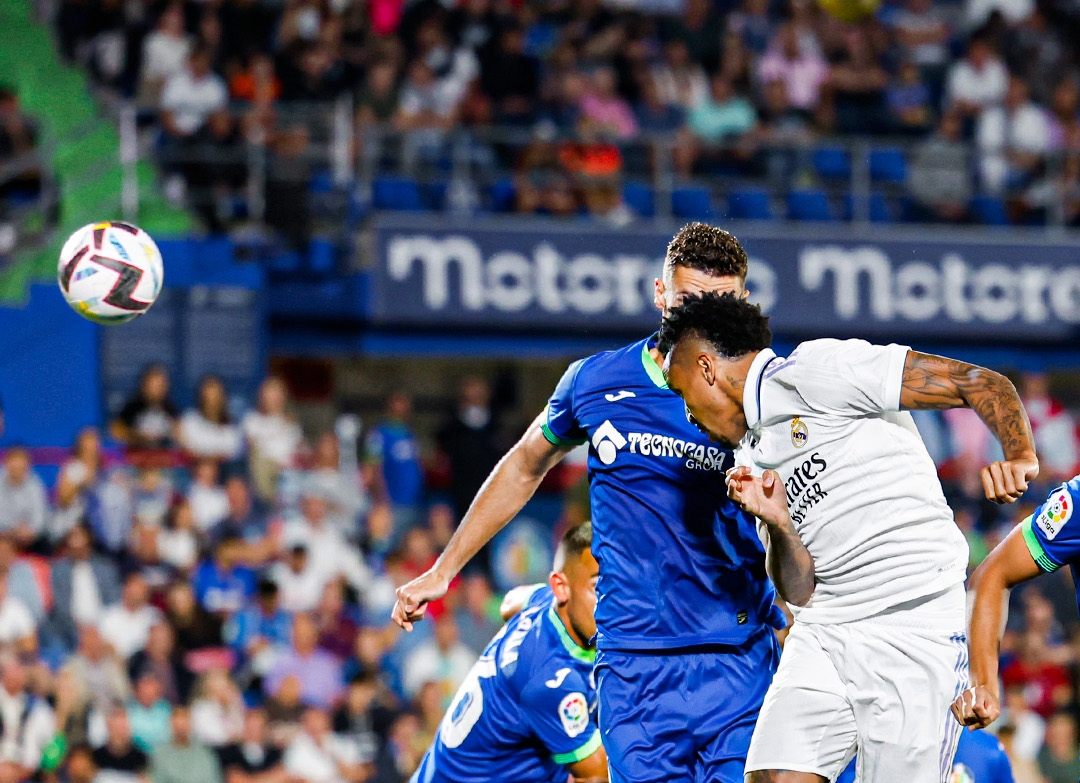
[(936, 383)]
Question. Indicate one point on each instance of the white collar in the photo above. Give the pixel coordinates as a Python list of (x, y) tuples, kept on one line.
[(752, 387)]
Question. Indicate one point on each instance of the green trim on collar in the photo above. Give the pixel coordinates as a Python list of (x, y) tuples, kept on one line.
[(583, 752), (656, 375), (1038, 554), (572, 647)]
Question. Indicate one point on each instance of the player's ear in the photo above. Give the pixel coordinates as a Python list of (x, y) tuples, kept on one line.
[(658, 293), (708, 368), (560, 586), (745, 293)]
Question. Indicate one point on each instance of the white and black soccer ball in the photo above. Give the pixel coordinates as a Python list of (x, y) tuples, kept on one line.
[(110, 272)]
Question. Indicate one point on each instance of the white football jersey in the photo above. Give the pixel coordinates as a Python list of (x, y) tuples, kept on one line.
[(862, 490)]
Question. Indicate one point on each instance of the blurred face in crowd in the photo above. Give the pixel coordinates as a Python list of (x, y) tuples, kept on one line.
[(78, 543), (603, 82), (475, 393), (360, 696), (255, 726), (181, 598), (326, 451), (1034, 385), (88, 445), (155, 386), (171, 21), (1060, 737), (789, 42), (477, 593), (17, 466), (979, 53), (315, 722), (1017, 94), (721, 89), (288, 693), (399, 407), (381, 78), (212, 399), (305, 635), (273, 397), (119, 727), (199, 63), (80, 766), (8, 552), (159, 644), (314, 509), (14, 677), (91, 645), (298, 559), (236, 491), (446, 633), (332, 600), (136, 592), (206, 472), (148, 690), (181, 725)]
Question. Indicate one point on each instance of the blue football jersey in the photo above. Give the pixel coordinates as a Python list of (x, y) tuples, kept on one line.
[(680, 564), (525, 711), (1049, 538)]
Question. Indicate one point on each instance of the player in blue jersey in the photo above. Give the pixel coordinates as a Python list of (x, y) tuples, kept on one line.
[(980, 758), (523, 714), (1042, 543), (685, 612)]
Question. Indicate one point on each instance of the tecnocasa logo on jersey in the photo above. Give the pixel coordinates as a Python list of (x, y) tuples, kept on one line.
[(607, 441)]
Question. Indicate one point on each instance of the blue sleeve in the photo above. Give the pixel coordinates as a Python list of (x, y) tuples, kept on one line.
[(560, 419), (555, 707), (1050, 538), (200, 583)]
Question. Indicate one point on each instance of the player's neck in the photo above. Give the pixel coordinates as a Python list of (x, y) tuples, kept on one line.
[(656, 356)]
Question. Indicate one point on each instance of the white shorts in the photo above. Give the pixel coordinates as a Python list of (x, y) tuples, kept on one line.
[(880, 686)]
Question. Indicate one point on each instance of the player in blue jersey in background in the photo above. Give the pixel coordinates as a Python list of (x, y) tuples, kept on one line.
[(685, 612), (1042, 543), (523, 713), (980, 758)]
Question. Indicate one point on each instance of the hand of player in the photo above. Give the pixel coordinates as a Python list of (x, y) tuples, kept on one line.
[(413, 598), (977, 707), (763, 497), (1006, 481)]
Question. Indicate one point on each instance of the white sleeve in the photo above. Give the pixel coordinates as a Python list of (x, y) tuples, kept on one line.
[(846, 377)]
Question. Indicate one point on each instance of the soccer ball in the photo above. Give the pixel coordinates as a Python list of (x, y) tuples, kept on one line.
[(110, 272)]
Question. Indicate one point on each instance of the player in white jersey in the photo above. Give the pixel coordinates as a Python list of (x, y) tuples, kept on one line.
[(860, 541)]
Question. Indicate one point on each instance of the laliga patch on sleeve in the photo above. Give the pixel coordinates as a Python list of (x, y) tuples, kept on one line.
[(1055, 512), (574, 714)]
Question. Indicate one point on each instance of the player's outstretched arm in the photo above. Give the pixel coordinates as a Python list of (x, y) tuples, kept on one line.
[(787, 559), (936, 383), (509, 487), (1007, 566)]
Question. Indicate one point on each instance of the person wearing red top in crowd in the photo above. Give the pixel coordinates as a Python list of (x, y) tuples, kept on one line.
[(1046, 682)]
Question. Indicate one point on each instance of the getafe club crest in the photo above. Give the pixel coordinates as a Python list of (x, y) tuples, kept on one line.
[(799, 433)]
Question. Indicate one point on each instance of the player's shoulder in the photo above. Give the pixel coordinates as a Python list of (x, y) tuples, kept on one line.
[(1055, 511), (600, 365)]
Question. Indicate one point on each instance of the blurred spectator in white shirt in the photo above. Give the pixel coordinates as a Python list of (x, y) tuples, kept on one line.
[(978, 81), (75, 483), (1014, 12), (342, 489), (328, 551), (192, 96), (17, 627), (28, 724), (273, 438), (1013, 138), (126, 625), (208, 500), (217, 713), (443, 660), (207, 430), (23, 505), (317, 755), (300, 582), (97, 673), (83, 584), (176, 542), (680, 81), (165, 51), (22, 580), (148, 417)]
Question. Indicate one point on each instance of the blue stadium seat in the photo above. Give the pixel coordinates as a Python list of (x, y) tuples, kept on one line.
[(433, 195), (397, 194), (691, 203), (808, 205), (322, 256), (639, 197), (989, 211), (880, 211), (501, 196), (749, 204), (832, 163), (887, 164)]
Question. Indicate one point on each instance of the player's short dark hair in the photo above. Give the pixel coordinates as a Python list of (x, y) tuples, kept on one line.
[(729, 323), (707, 249), (574, 542)]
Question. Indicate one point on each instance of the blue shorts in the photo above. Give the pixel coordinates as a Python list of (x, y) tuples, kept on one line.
[(686, 716)]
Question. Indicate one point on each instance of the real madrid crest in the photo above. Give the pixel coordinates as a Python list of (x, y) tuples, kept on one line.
[(799, 433)]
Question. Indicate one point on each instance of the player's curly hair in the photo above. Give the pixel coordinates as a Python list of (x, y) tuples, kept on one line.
[(732, 325), (708, 249)]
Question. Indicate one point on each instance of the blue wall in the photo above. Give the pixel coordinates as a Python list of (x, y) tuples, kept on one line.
[(50, 376)]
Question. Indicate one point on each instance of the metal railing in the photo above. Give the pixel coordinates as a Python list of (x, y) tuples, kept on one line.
[(320, 142)]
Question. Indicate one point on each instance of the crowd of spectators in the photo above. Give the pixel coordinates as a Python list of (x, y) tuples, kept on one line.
[(743, 87), (204, 597)]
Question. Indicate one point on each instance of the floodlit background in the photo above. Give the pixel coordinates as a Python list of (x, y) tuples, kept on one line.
[(387, 228)]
